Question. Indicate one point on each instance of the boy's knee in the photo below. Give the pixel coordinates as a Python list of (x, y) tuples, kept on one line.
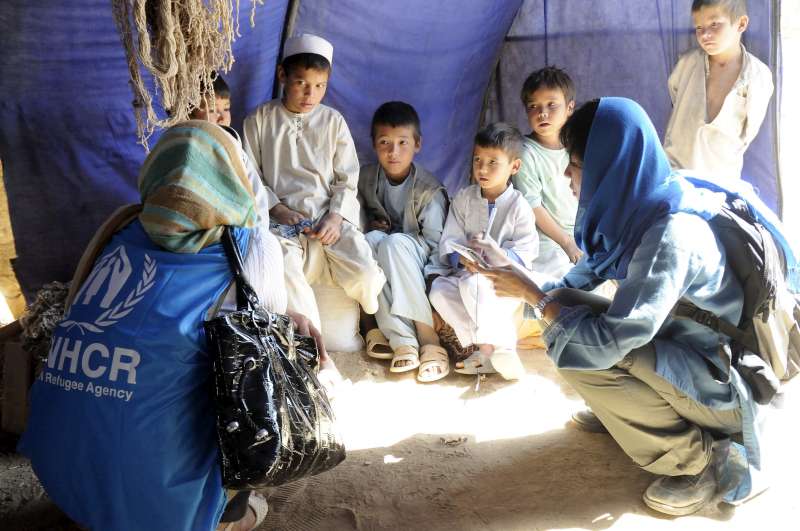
[(392, 245)]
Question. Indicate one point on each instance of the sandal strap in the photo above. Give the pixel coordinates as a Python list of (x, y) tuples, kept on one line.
[(376, 337), (430, 353)]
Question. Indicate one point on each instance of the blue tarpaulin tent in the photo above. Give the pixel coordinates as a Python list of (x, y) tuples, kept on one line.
[(68, 137)]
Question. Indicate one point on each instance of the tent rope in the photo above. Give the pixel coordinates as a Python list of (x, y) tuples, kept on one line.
[(181, 44)]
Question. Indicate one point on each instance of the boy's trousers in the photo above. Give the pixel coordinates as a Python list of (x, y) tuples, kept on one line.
[(662, 429), (403, 299), (349, 261), (468, 303)]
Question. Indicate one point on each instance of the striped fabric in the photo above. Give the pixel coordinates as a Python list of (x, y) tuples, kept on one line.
[(192, 184)]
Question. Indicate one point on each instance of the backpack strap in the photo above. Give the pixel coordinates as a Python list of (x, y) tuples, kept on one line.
[(686, 310)]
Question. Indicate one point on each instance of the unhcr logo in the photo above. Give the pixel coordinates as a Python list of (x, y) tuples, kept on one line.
[(111, 273)]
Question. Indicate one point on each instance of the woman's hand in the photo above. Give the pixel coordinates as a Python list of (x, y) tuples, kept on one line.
[(328, 374), (488, 248), (305, 327), (511, 281)]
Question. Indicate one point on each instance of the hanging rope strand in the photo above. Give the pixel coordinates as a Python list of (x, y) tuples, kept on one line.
[(180, 43)]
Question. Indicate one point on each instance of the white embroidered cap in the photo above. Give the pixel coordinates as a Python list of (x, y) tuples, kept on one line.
[(308, 43)]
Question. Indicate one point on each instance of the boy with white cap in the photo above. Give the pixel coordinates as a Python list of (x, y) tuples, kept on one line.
[(308, 162)]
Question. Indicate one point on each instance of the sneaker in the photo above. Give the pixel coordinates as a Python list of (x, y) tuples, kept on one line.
[(586, 420), (682, 495)]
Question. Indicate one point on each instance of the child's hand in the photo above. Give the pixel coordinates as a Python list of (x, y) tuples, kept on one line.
[(284, 215), (488, 248), (378, 224), (573, 251), (329, 229)]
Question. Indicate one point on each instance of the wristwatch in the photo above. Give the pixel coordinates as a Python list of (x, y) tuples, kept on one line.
[(538, 309)]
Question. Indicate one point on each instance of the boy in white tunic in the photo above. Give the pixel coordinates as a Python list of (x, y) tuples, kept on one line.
[(405, 209), (720, 94), (309, 165), (493, 219), (548, 96)]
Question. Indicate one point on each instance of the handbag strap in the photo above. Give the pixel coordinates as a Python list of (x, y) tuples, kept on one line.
[(246, 297)]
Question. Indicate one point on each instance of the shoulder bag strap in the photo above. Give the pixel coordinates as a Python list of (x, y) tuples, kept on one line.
[(246, 297)]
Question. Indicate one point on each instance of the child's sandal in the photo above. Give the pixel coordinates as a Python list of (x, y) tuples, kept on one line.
[(405, 353), (433, 357)]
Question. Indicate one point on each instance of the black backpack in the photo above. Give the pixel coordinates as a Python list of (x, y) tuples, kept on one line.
[(765, 343)]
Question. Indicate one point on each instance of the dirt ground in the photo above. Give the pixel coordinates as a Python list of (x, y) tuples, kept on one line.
[(448, 456)]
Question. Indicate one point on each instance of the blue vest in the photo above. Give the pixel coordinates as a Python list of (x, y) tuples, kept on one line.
[(121, 430)]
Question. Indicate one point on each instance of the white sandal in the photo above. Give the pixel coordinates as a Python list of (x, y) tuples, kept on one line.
[(432, 357), (405, 353), (375, 338)]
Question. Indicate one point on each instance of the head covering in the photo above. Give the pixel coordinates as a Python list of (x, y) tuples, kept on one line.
[(307, 43), (626, 186), (192, 184)]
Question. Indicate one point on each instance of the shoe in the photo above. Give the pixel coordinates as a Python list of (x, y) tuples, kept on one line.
[(586, 420), (682, 495)]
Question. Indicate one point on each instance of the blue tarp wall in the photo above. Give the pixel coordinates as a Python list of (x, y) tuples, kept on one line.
[(68, 137)]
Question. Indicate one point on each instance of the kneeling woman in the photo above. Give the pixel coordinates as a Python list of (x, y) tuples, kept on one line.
[(121, 432), (656, 383)]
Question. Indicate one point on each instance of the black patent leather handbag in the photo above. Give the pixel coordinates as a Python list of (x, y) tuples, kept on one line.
[(275, 423)]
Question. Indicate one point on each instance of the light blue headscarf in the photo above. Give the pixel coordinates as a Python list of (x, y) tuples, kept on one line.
[(627, 185)]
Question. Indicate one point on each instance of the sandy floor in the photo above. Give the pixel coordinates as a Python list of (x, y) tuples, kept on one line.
[(448, 456)]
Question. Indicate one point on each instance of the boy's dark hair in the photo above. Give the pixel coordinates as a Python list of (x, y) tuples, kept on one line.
[(734, 8), (574, 133), (310, 61), (503, 136), (396, 114), (548, 77), (221, 89)]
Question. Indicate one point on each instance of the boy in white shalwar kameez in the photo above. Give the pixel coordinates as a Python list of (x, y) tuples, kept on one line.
[(495, 220), (405, 210), (309, 165), (720, 94)]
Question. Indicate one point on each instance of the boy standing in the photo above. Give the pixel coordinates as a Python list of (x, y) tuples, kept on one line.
[(308, 162), (719, 92), (548, 95), (405, 208), (495, 221)]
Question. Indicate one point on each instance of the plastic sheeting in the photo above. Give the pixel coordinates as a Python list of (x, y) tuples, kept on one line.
[(624, 48), (67, 134), (67, 131)]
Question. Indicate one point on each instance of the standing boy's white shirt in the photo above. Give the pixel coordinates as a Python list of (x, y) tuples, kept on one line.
[(307, 161), (716, 148)]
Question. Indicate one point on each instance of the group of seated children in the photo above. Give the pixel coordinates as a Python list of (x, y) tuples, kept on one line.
[(412, 253)]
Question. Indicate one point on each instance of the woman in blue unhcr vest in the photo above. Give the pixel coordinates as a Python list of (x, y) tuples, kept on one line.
[(121, 430), (656, 383)]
